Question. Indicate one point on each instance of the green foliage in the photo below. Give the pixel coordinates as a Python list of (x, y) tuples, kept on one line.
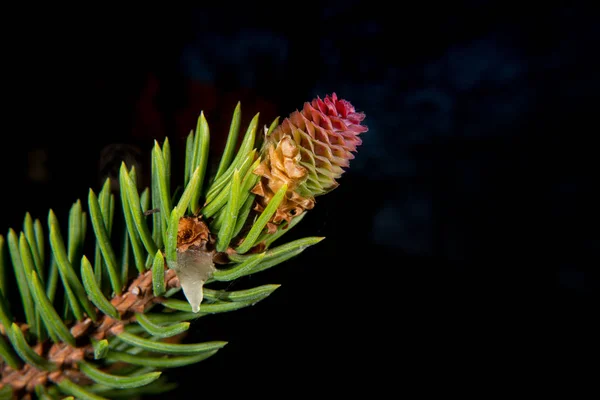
[(86, 286)]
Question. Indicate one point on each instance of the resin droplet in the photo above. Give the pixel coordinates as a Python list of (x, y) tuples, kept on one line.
[(193, 268)]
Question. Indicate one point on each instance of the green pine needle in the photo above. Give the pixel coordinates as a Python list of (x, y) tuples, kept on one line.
[(161, 331), (137, 213), (76, 291), (3, 265), (231, 213), (167, 163), (52, 279), (8, 355), (132, 234), (158, 274), (100, 348), (115, 381), (79, 392), (94, 292), (189, 157), (261, 222), (49, 314), (201, 146), (29, 231), (159, 362), (254, 294), (190, 189), (108, 254), (26, 352), (21, 278), (169, 348), (234, 131), (39, 238), (160, 186)]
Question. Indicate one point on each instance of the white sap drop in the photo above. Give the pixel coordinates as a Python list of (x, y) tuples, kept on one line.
[(193, 268)]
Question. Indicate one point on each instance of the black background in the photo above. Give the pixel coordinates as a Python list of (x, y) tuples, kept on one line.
[(463, 241)]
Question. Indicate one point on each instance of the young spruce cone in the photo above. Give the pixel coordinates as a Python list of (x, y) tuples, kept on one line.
[(308, 152)]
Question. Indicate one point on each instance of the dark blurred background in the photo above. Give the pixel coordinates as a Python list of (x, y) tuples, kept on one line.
[(463, 237)]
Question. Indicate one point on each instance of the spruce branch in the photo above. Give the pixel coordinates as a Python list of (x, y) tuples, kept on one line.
[(104, 321)]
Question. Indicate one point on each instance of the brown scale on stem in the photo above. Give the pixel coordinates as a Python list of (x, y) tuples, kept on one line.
[(137, 298)]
